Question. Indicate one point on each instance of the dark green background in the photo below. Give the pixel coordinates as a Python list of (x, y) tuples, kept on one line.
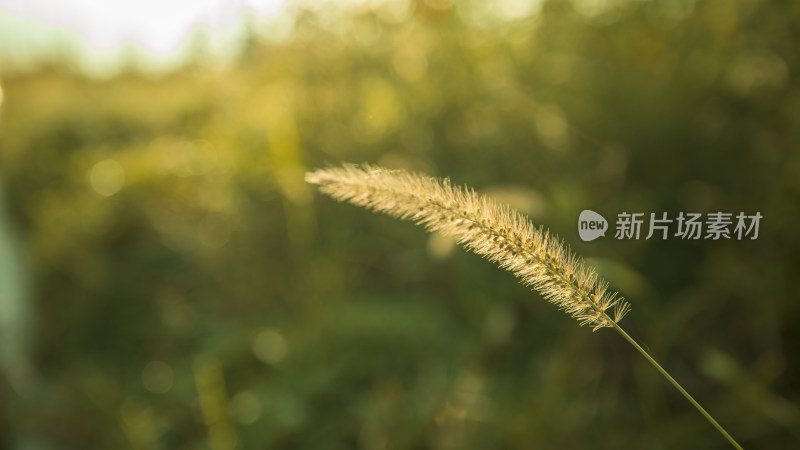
[(216, 300)]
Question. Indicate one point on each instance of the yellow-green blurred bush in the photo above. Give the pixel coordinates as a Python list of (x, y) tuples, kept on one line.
[(189, 290)]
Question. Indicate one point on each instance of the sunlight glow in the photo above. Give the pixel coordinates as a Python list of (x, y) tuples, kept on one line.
[(104, 35), (105, 38)]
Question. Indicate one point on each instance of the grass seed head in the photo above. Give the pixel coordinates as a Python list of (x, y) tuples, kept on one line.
[(496, 232)]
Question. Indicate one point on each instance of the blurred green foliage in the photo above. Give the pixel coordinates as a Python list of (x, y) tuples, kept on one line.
[(187, 289)]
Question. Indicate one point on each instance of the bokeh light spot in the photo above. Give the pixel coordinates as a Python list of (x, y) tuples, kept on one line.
[(246, 407), (157, 377), (214, 231), (107, 177), (440, 247), (516, 9), (519, 197), (499, 324), (381, 110), (137, 417), (410, 63), (757, 69), (269, 346)]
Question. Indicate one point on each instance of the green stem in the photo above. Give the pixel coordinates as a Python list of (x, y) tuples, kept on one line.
[(678, 386)]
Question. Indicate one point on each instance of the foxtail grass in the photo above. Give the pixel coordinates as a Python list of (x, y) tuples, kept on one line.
[(498, 233)]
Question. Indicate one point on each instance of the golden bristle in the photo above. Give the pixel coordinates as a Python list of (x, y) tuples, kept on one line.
[(493, 231)]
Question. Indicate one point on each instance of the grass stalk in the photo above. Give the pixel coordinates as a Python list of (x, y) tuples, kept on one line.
[(497, 233), (677, 386)]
